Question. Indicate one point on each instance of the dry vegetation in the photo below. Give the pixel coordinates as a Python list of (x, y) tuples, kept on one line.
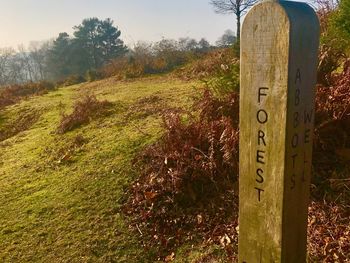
[(84, 110), (213, 64), (187, 191), (25, 120), (14, 93), (332, 140), (188, 178)]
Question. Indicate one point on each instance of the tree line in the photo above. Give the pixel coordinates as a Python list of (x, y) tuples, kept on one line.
[(93, 45)]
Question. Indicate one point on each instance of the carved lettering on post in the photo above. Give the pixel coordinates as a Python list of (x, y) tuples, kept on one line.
[(279, 44)]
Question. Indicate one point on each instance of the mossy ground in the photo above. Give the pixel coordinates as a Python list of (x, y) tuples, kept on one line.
[(60, 200)]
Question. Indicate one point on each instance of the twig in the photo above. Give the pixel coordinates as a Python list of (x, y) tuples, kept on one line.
[(139, 230), (338, 179), (206, 156)]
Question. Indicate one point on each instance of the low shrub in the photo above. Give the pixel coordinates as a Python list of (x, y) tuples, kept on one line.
[(189, 177), (71, 80), (121, 68), (213, 63), (24, 121), (187, 189), (152, 58), (219, 70), (332, 137), (329, 60), (224, 81), (84, 110), (133, 67), (14, 93)]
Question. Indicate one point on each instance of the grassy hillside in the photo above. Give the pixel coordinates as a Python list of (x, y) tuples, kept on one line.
[(60, 194)]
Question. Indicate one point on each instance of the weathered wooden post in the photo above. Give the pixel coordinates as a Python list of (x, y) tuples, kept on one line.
[(279, 46)]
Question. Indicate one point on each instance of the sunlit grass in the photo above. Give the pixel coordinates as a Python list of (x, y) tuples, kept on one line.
[(60, 202)]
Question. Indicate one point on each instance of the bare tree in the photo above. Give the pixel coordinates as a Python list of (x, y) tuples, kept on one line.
[(6, 55), (237, 7), (26, 63), (21, 65), (38, 52)]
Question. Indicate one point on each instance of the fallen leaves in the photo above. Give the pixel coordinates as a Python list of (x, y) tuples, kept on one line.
[(329, 232), (170, 257), (188, 188)]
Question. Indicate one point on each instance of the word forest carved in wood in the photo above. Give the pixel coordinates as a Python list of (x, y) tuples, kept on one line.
[(279, 45)]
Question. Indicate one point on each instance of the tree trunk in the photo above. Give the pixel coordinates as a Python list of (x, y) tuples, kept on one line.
[(238, 15)]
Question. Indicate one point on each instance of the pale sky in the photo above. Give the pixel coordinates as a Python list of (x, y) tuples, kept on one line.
[(23, 21)]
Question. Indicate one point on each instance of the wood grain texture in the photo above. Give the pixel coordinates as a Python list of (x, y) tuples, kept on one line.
[(279, 44)]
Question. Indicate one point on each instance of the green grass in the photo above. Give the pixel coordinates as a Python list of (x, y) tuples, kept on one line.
[(60, 202)]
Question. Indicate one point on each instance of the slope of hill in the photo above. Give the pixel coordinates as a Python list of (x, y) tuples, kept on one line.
[(60, 194)]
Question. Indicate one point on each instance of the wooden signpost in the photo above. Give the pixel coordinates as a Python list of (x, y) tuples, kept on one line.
[(279, 46)]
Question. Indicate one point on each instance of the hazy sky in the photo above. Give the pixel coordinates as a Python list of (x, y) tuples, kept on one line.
[(22, 21)]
